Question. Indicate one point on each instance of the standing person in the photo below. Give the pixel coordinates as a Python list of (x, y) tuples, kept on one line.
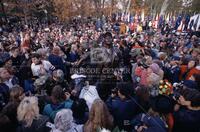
[(99, 117), (157, 119), (55, 59), (123, 103)]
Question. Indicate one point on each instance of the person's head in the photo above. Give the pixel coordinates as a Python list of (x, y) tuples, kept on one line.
[(99, 116), (7, 61), (191, 64), (195, 52), (74, 48), (162, 56), (64, 120), (35, 58), (143, 93), (4, 74), (58, 75), (79, 107), (161, 104), (124, 90), (15, 51), (108, 39), (175, 60), (16, 93), (28, 110), (57, 94), (56, 50)]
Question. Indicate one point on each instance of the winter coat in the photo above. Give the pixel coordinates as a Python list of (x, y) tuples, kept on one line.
[(123, 111), (50, 110), (38, 125), (186, 120)]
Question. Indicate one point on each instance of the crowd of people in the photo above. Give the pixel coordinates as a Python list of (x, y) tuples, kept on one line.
[(87, 76)]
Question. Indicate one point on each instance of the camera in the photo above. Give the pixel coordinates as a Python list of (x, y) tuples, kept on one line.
[(176, 87), (176, 95)]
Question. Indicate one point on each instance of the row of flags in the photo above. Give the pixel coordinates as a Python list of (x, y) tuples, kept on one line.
[(178, 22)]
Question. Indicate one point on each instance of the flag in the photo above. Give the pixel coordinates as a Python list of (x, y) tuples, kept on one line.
[(178, 22), (196, 23), (191, 24), (181, 27), (131, 18), (155, 22), (160, 21), (142, 15), (136, 18), (117, 16), (187, 20), (122, 17), (167, 18)]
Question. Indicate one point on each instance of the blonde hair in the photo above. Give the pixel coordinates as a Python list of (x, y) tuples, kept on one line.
[(99, 117), (28, 110)]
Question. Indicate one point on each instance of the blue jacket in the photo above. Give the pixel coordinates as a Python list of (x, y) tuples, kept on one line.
[(50, 110), (57, 62), (123, 111), (153, 123)]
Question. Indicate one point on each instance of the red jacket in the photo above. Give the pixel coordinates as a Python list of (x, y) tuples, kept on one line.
[(184, 68)]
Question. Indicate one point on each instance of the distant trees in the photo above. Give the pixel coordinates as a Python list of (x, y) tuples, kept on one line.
[(66, 9)]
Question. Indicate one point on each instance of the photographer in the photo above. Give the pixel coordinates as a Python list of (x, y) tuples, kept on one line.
[(187, 111), (156, 119), (122, 106)]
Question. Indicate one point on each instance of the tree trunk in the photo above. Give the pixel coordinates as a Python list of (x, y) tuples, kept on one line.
[(164, 7)]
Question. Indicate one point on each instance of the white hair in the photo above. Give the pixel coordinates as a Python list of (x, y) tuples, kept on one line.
[(64, 120)]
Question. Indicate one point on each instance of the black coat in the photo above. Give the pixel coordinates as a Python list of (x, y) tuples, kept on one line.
[(38, 125), (123, 111), (186, 120)]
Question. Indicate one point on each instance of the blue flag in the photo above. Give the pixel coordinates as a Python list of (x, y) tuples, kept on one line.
[(178, 22)]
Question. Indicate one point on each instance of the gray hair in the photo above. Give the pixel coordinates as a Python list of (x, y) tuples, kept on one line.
[(58, 74), (64, 120)]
